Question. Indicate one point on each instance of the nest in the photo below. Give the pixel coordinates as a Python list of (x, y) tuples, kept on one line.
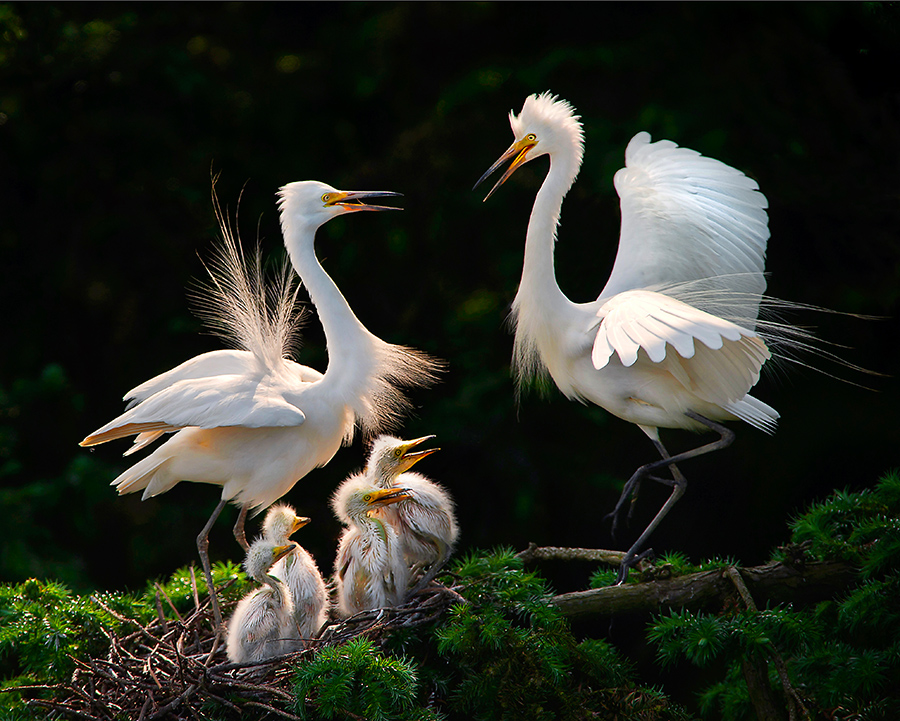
[(172, 669)]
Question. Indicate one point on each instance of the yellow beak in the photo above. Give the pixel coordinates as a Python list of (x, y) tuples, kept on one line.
[(281, 551), (387, 496), (299, 522), (518, 151), (352, 201), (408, 458)]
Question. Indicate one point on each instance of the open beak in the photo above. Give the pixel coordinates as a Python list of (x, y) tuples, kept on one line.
[(518, 151), (410, 457), (299, 522), (352, 201), (387, 496)]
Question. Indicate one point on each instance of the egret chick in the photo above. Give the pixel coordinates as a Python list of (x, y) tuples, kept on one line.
[(369, 569), (263, 623), (425, 522), (252, 420), (298, 570), (670, 342)]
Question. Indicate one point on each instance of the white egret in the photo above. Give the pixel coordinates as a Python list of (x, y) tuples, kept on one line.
[(689, 268), (369, 569), (298, 570), (425, 522), (252, 420), (262, 625)]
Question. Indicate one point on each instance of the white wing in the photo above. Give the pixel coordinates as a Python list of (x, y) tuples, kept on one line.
[(251, 401), (689, 218), (721, 369), (214, 363)]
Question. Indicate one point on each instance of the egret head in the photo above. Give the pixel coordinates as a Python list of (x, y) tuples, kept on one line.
[(356, 498), (391, 456), (546, 126), (264, 554), (311, 202), (282, 522)]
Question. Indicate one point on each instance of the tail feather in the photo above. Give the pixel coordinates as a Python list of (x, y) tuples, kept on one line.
[(753, 411), (140, 476)]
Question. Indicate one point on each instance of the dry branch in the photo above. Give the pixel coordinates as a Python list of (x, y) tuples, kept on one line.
[(171, 668), (772, 581)]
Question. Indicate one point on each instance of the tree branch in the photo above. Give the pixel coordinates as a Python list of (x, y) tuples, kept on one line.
[(772, 581)]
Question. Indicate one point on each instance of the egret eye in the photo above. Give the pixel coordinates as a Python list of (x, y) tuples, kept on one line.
[(531, 137), (398, 453), (326, 197), (367, 498)]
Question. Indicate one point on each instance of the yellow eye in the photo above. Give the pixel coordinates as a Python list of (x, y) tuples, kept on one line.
[(531, 137), (326, 197), (367, 498), (398, 452)]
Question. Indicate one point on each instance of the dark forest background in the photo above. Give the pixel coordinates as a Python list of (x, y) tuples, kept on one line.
[(113, 117)]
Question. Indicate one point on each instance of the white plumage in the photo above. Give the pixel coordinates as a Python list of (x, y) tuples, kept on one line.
[(252, 420), (262, 625), (369, 569), (670, 342), (299, 572), (426, 521)]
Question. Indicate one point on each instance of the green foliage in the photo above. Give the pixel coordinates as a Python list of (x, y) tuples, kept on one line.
[(843, 655), (356, 680), (513, 654), (43, 625), (229, 578)]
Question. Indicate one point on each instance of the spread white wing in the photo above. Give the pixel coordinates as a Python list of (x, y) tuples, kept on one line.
[(721, 368), (253, 400), (688, 219), (214, 363)]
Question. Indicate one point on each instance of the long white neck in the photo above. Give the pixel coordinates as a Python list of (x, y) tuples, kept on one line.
[(539, 302), (348, 342)]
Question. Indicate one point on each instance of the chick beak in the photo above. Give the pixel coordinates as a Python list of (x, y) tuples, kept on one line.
[(282, 551), (352, 201), (518, 151), (387, 496), (410, 457), (299, 522)]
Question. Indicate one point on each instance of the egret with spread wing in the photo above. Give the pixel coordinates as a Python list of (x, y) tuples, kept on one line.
[(252, 420), (670, 342)]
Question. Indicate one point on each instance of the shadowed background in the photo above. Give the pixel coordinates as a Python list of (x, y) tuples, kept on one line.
[(113, 117)]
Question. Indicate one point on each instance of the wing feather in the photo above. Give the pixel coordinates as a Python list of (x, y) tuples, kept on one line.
[(686, 217), (214, 402), (720, 369)]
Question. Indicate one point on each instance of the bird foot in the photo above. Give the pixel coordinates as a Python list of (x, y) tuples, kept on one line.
[(629, 563)]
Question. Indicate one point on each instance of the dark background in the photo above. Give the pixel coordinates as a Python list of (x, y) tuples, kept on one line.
[(114, 116)]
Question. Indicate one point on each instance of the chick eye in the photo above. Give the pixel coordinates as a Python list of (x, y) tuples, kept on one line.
[(367, 497), (398, 453)]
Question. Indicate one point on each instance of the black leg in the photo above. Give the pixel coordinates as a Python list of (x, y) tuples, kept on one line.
[(443, 557), (678, 483), (203, 548), (239, 533)]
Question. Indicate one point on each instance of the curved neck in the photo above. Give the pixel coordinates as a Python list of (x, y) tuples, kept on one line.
[(275, 584), (346, 338), (538, 287)]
